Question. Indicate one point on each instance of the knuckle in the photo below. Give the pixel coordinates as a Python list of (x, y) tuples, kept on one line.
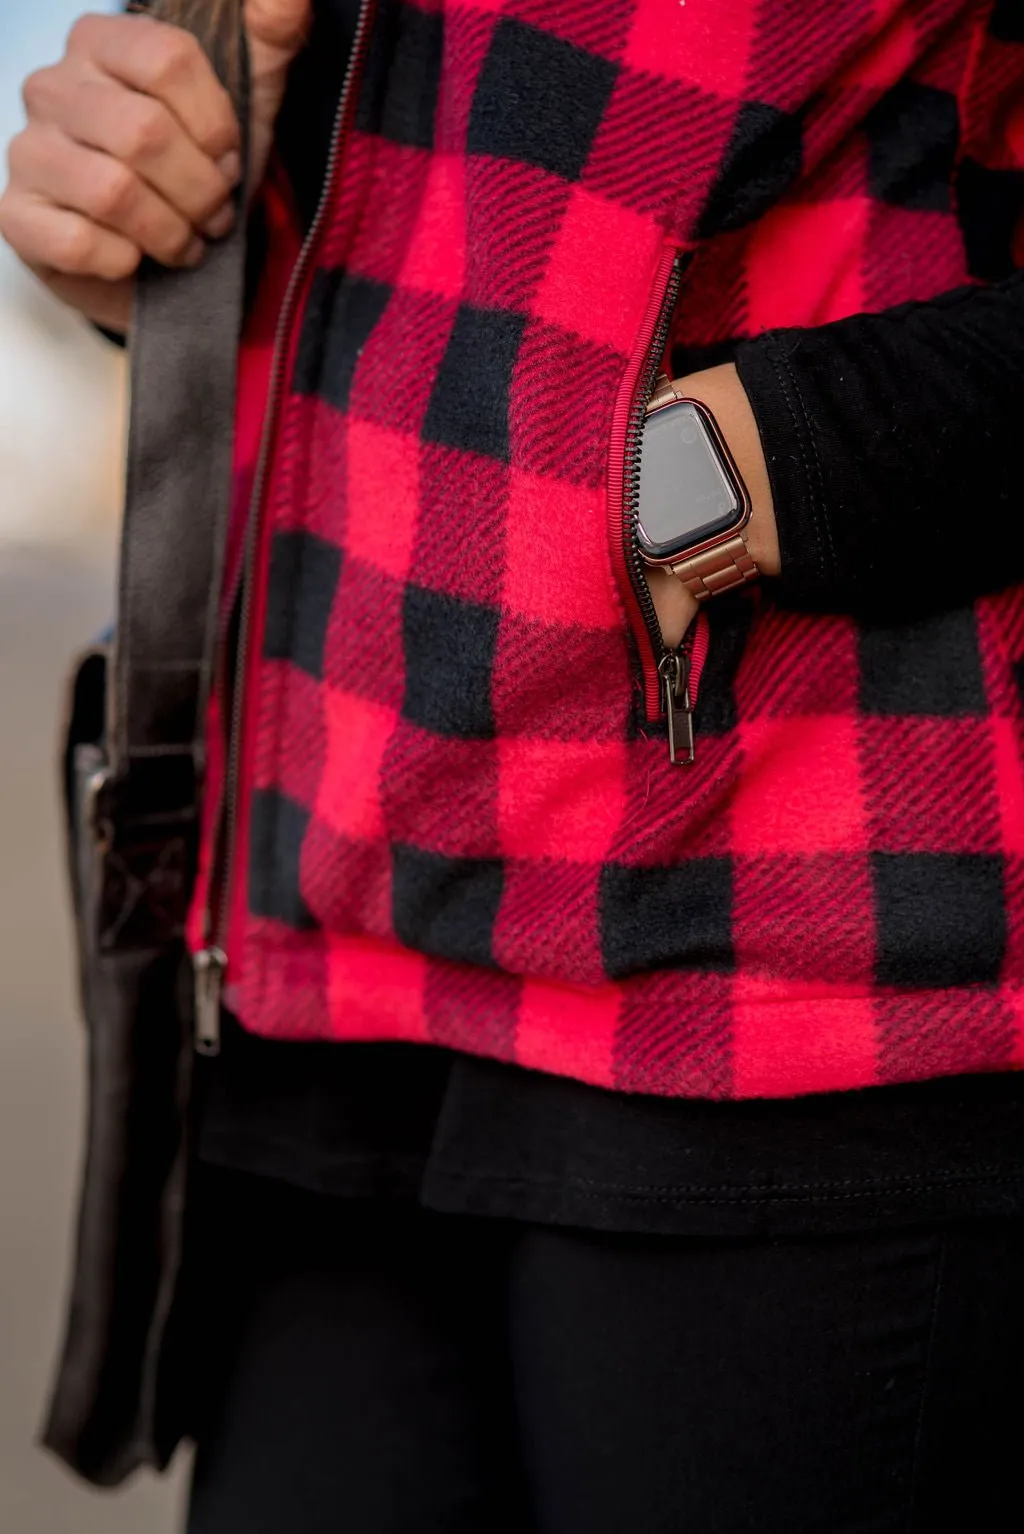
[(174, 58), (7, 221), (37, 90), (113, 193), (118, 261), (169, 241), (84, 30), (74, 247), (18, 153), (147, 132)]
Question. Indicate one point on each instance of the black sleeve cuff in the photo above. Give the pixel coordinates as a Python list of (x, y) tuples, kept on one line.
[(809, 568)]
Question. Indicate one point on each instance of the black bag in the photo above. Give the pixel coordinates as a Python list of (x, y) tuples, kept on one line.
[(132, 777)]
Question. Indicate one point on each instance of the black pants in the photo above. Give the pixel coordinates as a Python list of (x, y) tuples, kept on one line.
[(365, 1369)]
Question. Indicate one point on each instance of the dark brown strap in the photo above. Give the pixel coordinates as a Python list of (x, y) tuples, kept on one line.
[(183, 349)]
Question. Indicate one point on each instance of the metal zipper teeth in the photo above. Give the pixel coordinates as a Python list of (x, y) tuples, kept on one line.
[(227, 829), (634, 440)]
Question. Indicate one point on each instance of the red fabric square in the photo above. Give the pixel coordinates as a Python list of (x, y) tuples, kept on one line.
[(1016, 1004), (780, 671), (930, 785), (565, 950), (383, 497), (675, 1035), (291, 740), (801, 787), (773, 900), (791, 1038), (295, 1006), (672, 813), (783, 287), (944, 1033), (357, 733), (659, 146), (403, 177), (582, 288), (361, 654), (557, 565), (594, 700), (548, 436), (568, 1031), (513, 212), (703, 41), (309, 472), (1008, 751), (346, 882), (375, 989), (559, 798), (461, 822), (460, 530), (911, 254), (401, 359), (603, 29), (471, 1009), (435, 260)]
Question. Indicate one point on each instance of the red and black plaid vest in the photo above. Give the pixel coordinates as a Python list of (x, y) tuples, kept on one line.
[(456, 818)]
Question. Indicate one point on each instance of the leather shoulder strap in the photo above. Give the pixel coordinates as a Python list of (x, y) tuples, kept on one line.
[(183, 355)]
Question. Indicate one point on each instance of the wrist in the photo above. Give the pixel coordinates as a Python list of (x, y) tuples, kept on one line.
[(720, 389)]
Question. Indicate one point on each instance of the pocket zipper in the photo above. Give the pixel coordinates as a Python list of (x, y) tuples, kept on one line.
[(671, 676)]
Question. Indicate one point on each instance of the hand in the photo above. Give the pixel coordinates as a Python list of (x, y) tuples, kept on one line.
[(132, 148), (720, 389)]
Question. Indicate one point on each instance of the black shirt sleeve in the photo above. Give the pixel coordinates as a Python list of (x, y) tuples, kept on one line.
[(895, 450)]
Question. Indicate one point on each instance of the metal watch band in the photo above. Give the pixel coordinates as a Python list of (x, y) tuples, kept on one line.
[(728, 563), (718, 569)]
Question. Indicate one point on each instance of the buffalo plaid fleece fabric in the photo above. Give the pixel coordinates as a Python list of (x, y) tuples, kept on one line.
[(456, 823)]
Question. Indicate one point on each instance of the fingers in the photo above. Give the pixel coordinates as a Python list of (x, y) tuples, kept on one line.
[(57, 239), (141, 134), (166, 64), (52, 168)]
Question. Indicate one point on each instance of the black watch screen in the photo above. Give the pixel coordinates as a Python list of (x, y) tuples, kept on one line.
[(689, 491)]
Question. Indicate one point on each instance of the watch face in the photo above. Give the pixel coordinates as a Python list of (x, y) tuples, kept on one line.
[(688, 493)]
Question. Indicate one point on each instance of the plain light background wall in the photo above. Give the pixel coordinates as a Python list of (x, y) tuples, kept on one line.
[(61, 413)]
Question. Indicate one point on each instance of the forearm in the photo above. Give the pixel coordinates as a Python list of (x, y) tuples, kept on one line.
[(890, 452)]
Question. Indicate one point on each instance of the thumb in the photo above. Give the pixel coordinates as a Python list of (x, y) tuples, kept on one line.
[(276, 31)]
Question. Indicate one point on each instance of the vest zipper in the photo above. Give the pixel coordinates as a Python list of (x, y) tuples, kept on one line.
[(211, 961), (671, 676)]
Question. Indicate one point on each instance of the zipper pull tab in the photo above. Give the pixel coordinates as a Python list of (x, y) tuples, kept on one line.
[(209, 965), (674, 670)]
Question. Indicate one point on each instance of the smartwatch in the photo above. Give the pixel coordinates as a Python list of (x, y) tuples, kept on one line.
[(693, 504)]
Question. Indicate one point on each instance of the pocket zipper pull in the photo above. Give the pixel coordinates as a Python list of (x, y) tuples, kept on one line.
[(209, 965), (674, 670)]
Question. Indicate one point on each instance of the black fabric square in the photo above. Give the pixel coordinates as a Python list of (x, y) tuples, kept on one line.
[(664, 918), (469, 402), (446, 907), (764, 158), (340, 314), (1007, 21), (941, 918), (403, 70), (913, 132), (929, 667), (989, 206), (729, 621), (539, 100), (303, 579), (277, 829), (449, 661)]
